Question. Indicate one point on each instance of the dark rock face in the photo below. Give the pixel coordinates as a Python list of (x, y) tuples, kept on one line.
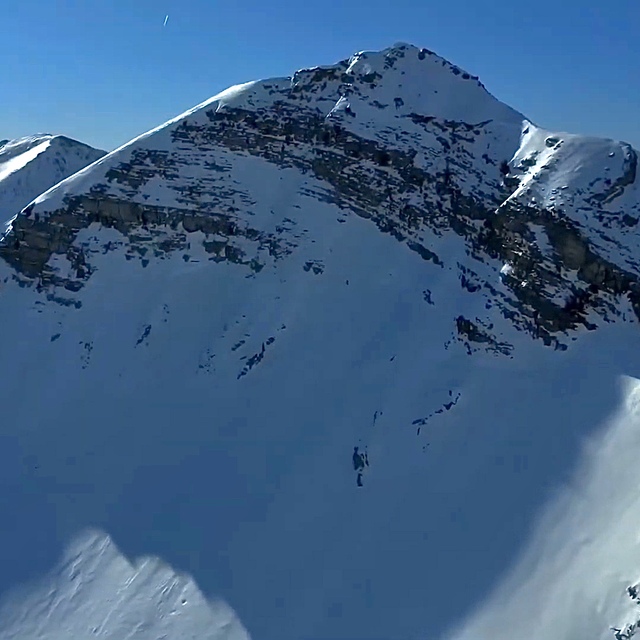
[(463, 188), (153, 229)]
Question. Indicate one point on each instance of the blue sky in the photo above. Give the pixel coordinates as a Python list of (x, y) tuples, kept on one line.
[(103, 71)]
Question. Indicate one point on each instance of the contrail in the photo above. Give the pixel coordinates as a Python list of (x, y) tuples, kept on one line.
[(165, 21)]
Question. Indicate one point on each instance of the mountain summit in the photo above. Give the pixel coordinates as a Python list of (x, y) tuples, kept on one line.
[(400, 137), (355, 350), (31, 165)]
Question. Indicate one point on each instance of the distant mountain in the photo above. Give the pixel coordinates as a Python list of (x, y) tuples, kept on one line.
[(31, 165), (354, 351)]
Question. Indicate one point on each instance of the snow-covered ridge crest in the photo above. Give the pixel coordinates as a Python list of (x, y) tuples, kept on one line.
[(427, 83), (56, 194)]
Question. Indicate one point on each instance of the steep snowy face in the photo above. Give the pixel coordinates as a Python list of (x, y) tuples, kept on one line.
[(354, 351), (29, 166)]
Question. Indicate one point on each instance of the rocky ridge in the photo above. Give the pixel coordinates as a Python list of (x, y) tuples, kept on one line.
[(400, 137)]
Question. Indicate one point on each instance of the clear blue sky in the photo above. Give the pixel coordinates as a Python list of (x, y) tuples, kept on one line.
[(103, 71)]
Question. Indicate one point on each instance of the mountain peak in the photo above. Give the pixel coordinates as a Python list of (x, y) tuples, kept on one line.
[(409, 79), (32, 164), (301, 346), (400, 137)]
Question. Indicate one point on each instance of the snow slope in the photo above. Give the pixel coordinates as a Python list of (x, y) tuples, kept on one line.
[(31, 165), (297, 371), (95, 591)]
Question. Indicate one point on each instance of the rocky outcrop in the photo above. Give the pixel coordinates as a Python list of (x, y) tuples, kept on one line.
[(384, 186), (149, 229)]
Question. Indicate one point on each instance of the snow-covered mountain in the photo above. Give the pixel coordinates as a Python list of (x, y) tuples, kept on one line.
[(31, 165), (354, 352)]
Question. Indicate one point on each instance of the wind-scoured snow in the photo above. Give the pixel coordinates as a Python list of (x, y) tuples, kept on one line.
[(31, 165), (95, 592), (317, 432)]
